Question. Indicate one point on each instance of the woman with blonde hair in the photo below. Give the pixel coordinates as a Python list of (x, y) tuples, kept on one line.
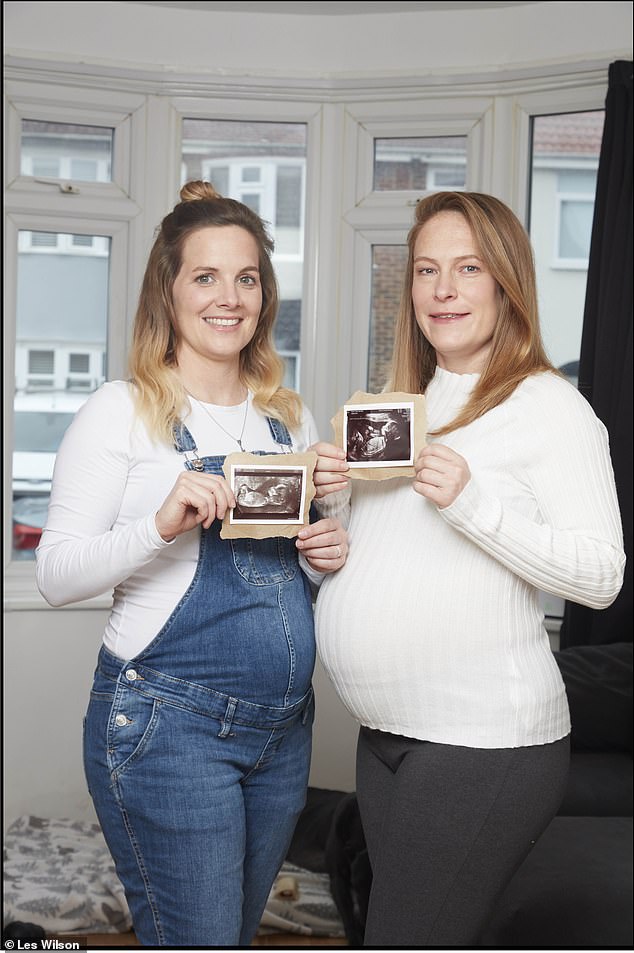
[(197, 736), (463, 746)]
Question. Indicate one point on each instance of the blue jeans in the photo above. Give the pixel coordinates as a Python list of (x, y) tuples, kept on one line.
[(198, 795)]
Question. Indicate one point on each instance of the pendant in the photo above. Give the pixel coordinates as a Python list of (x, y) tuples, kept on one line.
[(239, 442)]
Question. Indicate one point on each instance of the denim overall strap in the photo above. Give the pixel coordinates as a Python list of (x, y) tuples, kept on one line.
[(279, 432)]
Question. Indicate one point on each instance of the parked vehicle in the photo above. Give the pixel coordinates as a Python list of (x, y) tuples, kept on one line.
[(29, 518), (40, 422)]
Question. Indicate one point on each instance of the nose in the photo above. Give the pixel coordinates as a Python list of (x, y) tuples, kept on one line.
[(444, 286), (226, 294)]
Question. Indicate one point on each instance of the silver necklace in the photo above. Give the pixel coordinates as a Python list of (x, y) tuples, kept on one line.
[(238, 440)]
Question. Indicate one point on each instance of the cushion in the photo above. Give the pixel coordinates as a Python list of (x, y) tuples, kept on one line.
[(600, 783), (598, 680), (573, 890), (308, 846)]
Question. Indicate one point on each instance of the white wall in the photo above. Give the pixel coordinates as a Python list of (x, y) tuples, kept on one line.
[(49, 654), (49, 659)]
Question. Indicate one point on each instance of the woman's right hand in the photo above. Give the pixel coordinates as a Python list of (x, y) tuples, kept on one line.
[(329, 475), (195, 499)]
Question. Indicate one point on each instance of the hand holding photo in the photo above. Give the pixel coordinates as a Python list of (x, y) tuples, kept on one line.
[(273, 494), (381, 434)]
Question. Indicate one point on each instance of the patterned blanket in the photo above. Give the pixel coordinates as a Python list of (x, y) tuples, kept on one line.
[(59, 875)]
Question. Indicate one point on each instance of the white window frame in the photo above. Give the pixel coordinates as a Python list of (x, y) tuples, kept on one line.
[(344, 216), (61, 206)]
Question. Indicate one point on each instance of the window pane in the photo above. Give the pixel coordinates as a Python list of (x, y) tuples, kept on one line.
[(425, 164), (62, 150), (252, 199), (47, 168), (251, 174), (564, 162), (578, 180), (289, 196), (60, 359), (575, 229), (388, 267), (262, 164), (42, 430)]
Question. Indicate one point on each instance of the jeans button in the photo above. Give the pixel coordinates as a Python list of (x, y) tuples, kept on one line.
[(120, 721), (131, 675)]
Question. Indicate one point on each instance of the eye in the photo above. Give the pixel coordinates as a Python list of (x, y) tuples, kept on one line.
[(204, 279), (249, 280), (425, 270), (471, 269)]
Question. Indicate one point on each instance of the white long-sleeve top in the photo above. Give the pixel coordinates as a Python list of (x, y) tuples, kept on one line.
[(109, 481), (433, 629)]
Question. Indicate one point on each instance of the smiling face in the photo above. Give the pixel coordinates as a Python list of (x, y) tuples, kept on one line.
[(217, 297), (455, 297)]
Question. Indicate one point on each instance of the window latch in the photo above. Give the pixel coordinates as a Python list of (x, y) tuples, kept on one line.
[(66, 187)]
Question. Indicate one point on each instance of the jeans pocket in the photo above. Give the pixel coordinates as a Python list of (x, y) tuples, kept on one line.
[(131, 726), (265, 562)]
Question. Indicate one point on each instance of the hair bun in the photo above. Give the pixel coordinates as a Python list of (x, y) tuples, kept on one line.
[(193, 191)]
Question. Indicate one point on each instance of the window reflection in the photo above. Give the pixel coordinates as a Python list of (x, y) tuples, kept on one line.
[(564, 163), (59, 150), (59, 360), (388, 267), (424, 165)]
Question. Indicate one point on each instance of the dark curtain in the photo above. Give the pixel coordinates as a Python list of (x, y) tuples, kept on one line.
[(605, 368)]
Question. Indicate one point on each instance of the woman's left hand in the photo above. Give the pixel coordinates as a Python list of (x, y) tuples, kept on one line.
[(441, 474), (329, 475), (324, 544)]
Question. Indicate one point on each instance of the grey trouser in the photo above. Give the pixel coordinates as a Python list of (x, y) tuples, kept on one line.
[(446, 828)]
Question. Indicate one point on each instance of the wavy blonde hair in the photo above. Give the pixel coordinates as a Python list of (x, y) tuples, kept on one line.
[(160, 397), (517, 349)]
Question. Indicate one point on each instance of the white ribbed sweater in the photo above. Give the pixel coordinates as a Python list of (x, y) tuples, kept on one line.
[(433, 629)]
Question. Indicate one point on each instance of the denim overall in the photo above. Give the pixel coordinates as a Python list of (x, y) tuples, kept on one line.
[(197, 751)]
